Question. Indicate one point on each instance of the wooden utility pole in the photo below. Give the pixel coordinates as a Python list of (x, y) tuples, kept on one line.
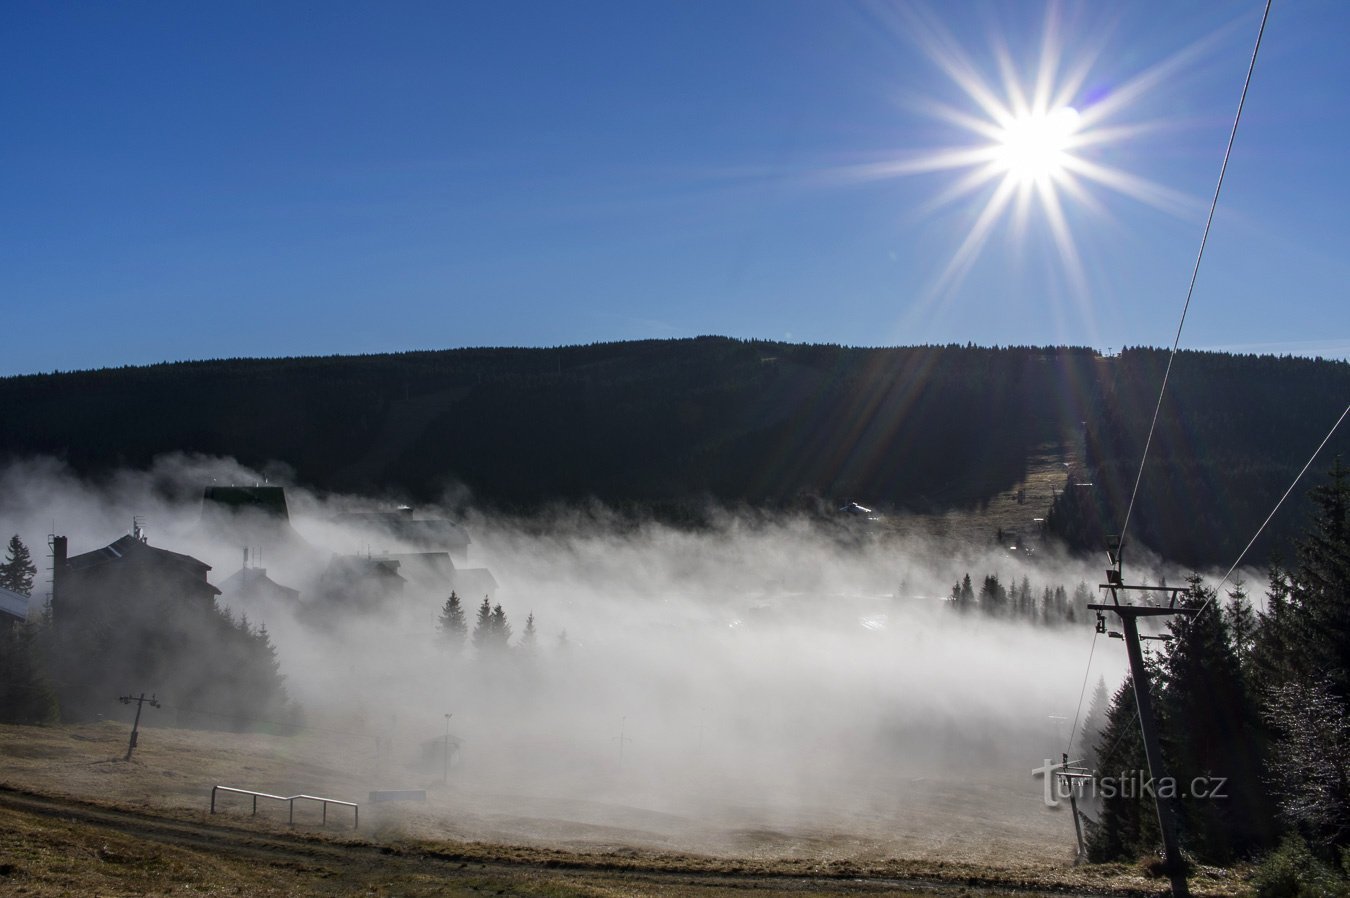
[(141, 702), (1164, 799)]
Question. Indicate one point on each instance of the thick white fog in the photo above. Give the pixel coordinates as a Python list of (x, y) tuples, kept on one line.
[(768, 663)]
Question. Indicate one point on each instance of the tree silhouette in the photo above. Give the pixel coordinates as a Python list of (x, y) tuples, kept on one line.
[(453, 628), (16, 573)]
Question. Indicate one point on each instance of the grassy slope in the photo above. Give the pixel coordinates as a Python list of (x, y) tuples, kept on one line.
[(141, 828)]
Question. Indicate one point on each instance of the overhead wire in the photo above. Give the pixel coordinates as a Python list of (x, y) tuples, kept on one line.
[(1320, 446), (1185, 309), (1081, 692), (1195, 273)]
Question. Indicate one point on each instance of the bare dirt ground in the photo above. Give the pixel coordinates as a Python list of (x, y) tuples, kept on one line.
[(78, 820)]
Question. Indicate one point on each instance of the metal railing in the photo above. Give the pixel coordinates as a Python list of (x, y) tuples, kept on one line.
[(291, 800)]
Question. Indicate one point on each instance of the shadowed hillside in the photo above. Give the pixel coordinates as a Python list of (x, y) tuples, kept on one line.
[(663, 426)]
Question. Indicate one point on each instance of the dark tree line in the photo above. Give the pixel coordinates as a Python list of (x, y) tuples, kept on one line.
[(1232, 434), (1261, 700), (661, 426), (1051, 606)]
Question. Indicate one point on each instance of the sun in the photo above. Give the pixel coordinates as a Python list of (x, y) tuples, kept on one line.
[(1032, 132), (1035, 147)]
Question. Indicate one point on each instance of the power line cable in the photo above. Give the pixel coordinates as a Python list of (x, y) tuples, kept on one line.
[(1195, 272), (1320, 446), (1082, 692)]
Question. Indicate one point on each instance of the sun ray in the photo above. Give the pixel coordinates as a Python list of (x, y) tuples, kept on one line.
[(1035, 136), (970, 248)]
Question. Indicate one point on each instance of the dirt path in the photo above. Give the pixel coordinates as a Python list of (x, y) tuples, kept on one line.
[(248, 860)]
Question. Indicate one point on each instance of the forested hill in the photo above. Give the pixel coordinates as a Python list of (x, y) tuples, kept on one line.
[(665, 425)]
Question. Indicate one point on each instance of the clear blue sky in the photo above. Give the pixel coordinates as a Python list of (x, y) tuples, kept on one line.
[(201, 180)]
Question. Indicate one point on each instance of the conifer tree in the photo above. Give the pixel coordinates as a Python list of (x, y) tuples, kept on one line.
[(499, 628), (17, 570), (529, 639), (1094, 724), (482, 628), (453, 628), (1082, 597), (1240, 621), (993, 597), (1320, 585), (1301, 658), (26, 696), (1026, 602), (1312, 760), (1125, 827), (1211, 728)]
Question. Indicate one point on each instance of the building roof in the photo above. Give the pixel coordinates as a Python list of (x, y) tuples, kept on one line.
[(130, 550), (270, 500), (13, 604), (129, 547), (430, 532)]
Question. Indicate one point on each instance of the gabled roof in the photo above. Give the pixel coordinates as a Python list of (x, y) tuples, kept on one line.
[(13, 604), (131, 550)]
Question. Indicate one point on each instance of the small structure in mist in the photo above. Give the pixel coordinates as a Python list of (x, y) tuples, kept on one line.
[(361, 582), (435, 572), (428, 534), (250, 587)]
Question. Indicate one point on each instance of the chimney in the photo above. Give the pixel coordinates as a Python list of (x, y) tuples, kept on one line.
[(58, 544)]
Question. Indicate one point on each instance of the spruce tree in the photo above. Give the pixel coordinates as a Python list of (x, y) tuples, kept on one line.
[(16, 573), (1094, 724), (453, 628), (1126, 827), (1301, 656), (1320, 585), (993, 597), (529, 639), (1240, 621), (499, 628), (1211, 728), (1311, 760), (482, 627)]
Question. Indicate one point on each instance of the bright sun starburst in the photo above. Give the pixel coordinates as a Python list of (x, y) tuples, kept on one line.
[(1035, 147), (1031, 140)]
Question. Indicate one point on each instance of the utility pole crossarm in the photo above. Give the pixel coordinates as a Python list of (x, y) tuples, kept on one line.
[(141, 701)]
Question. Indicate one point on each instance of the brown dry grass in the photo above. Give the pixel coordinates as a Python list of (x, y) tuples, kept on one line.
[(80, 821)]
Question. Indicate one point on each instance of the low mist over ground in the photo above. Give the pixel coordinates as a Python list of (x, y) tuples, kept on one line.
[(775, 671)]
